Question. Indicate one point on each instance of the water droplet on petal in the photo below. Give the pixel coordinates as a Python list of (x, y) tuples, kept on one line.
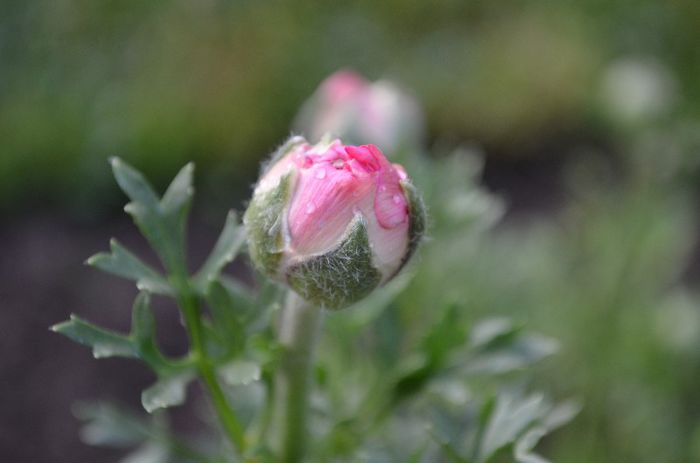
[(310, 208), (397, 199), (382, 188), (338, 163), (321, 173)]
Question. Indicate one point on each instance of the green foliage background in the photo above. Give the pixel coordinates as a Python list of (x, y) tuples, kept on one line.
[(609, 273)]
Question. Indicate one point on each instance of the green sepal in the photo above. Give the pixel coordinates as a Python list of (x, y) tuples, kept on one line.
[(341, 276), (121, 262), (416, 220), (264, 223)]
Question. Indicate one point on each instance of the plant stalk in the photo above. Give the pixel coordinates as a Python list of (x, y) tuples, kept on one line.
[(191, 310), (298, 332)]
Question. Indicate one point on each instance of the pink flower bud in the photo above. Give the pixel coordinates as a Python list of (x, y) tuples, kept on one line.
[(349, 106), (333, 221)]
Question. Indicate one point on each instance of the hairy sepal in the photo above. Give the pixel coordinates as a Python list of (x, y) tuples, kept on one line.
[(341, 276)]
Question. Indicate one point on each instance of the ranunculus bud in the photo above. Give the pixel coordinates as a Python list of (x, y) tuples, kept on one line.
[(349, 106), (333, 221)]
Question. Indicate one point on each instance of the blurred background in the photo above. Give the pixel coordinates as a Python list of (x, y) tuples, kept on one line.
[(586, 115)]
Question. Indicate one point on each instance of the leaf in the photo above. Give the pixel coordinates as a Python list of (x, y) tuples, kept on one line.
[(166, 392), (516, 354), (512, 415), (557, 416), (448, 449), (123, 263), (180, 191), (240, 372), (228, 316), (134, 184), (444, 336), (161, 222), (143, 324), (489, 331), (368, 309), (107, 425), (227, 247), (104, 343), (150, 452)]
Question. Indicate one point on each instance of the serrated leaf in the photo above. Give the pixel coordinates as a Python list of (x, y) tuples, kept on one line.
[(444, 336), (162, 223), (512, 415), (180, 191), (143, 323), (516, 354), (149, 452), (104, 343), (240, 372), (227, 247), (166, 392), (134, 184), (556, 417), (228, 316), (123, 263), (448, 449), (487, 331), (522, 451), (107, 425)]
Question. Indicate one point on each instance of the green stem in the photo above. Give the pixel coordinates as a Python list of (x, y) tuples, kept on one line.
[(191, 310), (298, 330)]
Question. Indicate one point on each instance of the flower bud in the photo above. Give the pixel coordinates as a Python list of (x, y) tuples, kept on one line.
[(349, 106), (333, 221)]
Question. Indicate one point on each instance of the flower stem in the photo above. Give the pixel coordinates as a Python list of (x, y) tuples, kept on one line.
[(191, 310), (298, 331)]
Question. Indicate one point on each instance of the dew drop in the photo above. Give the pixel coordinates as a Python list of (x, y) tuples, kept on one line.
[(321, 173), (338, 163), (397, 199), (310, 208), (382, 188)]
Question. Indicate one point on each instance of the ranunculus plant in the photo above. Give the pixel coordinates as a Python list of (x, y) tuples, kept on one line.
[(329, 226)]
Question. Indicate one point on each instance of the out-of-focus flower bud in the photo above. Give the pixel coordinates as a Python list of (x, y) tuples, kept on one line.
[(358, 111), (333, 221)]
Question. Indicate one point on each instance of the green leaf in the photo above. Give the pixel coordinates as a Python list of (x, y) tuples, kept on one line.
[(448, 449), (515, 354), (228, 316), (134, 184), (166, 392), (143, 323), (227, 247), (180, 191), (104, 343), (489, 331), (240, 372), (161, 222), (123, 263), (448, 334), (108, 425), (512, 415)]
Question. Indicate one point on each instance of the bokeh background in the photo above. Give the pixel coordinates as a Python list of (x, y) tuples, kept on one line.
[(586, 114)]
